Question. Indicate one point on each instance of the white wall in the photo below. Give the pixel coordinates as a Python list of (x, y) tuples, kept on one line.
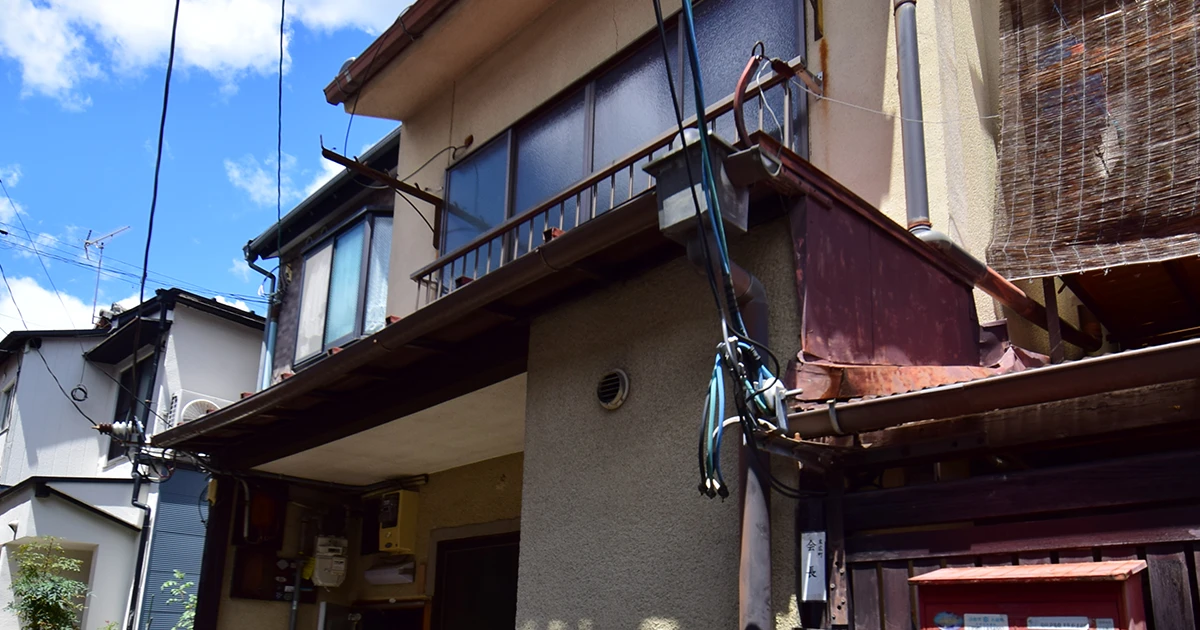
[(113, 550), (47, 435), (210, 356)]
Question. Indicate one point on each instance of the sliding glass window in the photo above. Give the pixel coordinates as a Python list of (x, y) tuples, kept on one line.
[(343, 291)]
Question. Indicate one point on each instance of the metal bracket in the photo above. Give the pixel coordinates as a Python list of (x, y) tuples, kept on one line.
[(815, 83)]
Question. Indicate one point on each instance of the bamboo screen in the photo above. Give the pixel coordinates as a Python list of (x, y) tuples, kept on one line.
[(1100, 143)]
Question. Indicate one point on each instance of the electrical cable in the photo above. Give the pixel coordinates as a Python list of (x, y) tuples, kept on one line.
[(414, 207), (38, 255), (430, 161), (358, 94), (279, 137)]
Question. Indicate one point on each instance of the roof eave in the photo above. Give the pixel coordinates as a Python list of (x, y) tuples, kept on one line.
[(407, 28)]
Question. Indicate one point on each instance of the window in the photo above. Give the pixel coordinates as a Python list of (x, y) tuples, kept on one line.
[(8, 400), (609, 117), (129, 400), (343, 290)]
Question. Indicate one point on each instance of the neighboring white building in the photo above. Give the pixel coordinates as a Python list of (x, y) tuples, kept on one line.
[(59, 477)]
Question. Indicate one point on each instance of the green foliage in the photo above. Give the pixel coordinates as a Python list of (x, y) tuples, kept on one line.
[(109, 625), (45, 598), (178, 589)]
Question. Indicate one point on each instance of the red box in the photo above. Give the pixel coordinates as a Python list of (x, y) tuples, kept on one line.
[(1085, 596)]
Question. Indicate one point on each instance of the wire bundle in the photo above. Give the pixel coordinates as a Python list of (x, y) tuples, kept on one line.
[(738, 357)]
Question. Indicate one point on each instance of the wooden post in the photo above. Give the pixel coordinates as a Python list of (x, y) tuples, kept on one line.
[(1053, 323)]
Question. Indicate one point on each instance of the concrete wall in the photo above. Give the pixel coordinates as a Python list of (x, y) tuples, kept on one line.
[(112, 551), (210, 356), (613, 531), (47, 435)]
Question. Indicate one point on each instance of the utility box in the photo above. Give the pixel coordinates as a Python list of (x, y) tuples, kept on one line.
[(329, 562), (1084, 596), (675, 185), (398, 522)]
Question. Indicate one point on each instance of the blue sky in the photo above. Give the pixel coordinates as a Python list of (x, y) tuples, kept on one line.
[(79, 108)]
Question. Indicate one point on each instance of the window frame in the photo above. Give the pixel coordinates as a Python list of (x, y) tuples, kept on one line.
[(366, 217), (9, 400), (140, 358), (587, 84)]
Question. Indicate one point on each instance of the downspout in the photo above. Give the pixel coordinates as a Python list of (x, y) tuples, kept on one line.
[(916, 187), (754, 566), (143, 540), (268, 362), (144, 537)]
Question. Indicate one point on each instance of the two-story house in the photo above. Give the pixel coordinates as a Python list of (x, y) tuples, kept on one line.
[(63, 479), (514, 447)]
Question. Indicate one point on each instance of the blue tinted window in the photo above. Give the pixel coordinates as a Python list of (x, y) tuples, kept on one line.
[(633, 104), (341, 314), (475, 199), (549, 154), (727, 31)]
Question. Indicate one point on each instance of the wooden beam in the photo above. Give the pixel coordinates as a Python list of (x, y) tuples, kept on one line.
[(212, 562), (1141, 527), (1053, 322), (383, 178), (1129, 481), (1123, 410), (477, 363)]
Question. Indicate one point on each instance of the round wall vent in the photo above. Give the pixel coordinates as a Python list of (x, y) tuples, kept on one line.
[(613, 389)]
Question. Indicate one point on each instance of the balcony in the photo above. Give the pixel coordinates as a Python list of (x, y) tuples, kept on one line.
[(615, 186)]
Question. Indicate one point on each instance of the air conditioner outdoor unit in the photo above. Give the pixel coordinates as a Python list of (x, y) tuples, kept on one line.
[(188, 405)]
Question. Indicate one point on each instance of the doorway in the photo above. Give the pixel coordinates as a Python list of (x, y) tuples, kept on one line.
[(476, 583)]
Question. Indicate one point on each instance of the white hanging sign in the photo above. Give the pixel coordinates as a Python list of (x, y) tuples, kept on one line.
[(812, 560)]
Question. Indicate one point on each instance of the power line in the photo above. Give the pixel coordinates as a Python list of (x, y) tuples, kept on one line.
[(38, 254), (279, 137), (54, 376)]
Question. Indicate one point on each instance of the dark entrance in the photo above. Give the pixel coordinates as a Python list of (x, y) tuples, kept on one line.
[(477, 583)]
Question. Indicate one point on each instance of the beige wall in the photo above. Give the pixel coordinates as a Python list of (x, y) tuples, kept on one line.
[(613, 531), (959, 47), (958, 44), (478, 494), (558, 47), (486, 493)]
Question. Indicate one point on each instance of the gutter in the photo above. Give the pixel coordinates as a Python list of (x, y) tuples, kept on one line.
[(406, 30)]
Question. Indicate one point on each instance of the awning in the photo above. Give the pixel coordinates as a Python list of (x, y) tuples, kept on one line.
[(1099, 150), (119, 344)]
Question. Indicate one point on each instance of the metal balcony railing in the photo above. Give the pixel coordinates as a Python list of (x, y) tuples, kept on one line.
[(602, 191)]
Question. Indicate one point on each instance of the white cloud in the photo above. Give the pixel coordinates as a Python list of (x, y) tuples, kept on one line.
[(328, 170), (11, 174), (238, 304), (257, 179), (61, 44), (240, 269), (41, 307)]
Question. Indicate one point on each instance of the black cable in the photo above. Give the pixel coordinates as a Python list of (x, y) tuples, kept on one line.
[(37, 254), (430, 161), (62, 389), (357, 95), (414, 207), (279, 137)]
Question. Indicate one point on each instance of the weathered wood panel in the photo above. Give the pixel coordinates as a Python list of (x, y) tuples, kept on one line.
[(897, 598), (864, 585), (1134, 480), (1170, 586), (1173, 524)]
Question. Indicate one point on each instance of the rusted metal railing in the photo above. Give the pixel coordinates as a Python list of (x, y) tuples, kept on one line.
[(606, 189)]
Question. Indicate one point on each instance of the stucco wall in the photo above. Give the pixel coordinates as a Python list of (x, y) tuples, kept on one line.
[(113, 550), (211, 356), (613, 531), (47, 435)]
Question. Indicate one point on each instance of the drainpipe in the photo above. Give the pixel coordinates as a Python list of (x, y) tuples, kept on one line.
[(268, 362), (144, 538), (916, 188), (754, 567)]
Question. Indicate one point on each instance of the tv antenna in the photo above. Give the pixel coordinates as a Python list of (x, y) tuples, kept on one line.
[(98, 243)]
